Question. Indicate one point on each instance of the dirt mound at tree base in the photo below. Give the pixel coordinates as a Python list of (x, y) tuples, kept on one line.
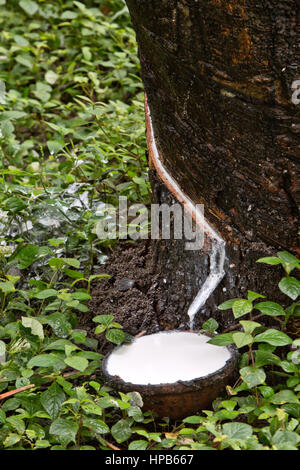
[(134, 293)]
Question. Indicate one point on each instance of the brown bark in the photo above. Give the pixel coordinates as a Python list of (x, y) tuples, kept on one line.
[(218, 77)]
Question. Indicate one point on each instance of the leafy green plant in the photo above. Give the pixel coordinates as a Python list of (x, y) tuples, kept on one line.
[(288, 285), (71, 125), (113, 330), (268, 354)]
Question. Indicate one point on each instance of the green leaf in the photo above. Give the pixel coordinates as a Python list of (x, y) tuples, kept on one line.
[(2, 416), (68, 15), (289, 367), (79, 295), (267, 392), (59, 324), (285, 440), (273, 337), (42, 91), (288, 258), (56, 263), (241, 307), (27, 255), (154, 436), (242, 339), (56, 241), (11, 440), (59, 345), (115, 336), (253, 296), (15, 204), (295, 310), (29, 7), (107, 402), (79, 363), (136, 413), (270, 308), (99, 329), (46, 294), (284, 396), (293, 409), (104, 319), (13, 279), (187, 431), (93, 409), (22, 382), (17, 423), (227, 305), (51, 77), (262, 358), (7, 287), (252, 377), (249, 326), (2, 349), (75, 263), (65, 429), (86, 52), (41, 444), (73, 274), (7, 129), (290, 286), (26, 60), (35, 326), (138, 445), (97, 426), (14, 114), (222, 340), (193, 420), (228, 404), (69, 348), (237, 431), (44, 360), (210, 325), (293, 382), (97, 276), (79, 336), (273, 260), (121, 431), (135, 399), (55, 146), (123, 405), (52, 400)]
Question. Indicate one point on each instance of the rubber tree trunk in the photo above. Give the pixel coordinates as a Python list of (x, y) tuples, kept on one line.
[(218, 75)]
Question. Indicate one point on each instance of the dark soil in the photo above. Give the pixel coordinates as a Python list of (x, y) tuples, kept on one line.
[(134, 293)]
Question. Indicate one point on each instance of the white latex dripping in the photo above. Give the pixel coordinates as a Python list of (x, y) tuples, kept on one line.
[(217, 254)]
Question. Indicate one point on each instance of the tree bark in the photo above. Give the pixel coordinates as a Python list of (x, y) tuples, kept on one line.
[(218, 75)]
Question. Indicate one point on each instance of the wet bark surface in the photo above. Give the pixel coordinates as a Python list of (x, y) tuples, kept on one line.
[(153, 282), (185, 272), (218, 76)]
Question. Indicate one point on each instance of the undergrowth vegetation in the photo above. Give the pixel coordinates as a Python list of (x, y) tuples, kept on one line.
[(71, 138)]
